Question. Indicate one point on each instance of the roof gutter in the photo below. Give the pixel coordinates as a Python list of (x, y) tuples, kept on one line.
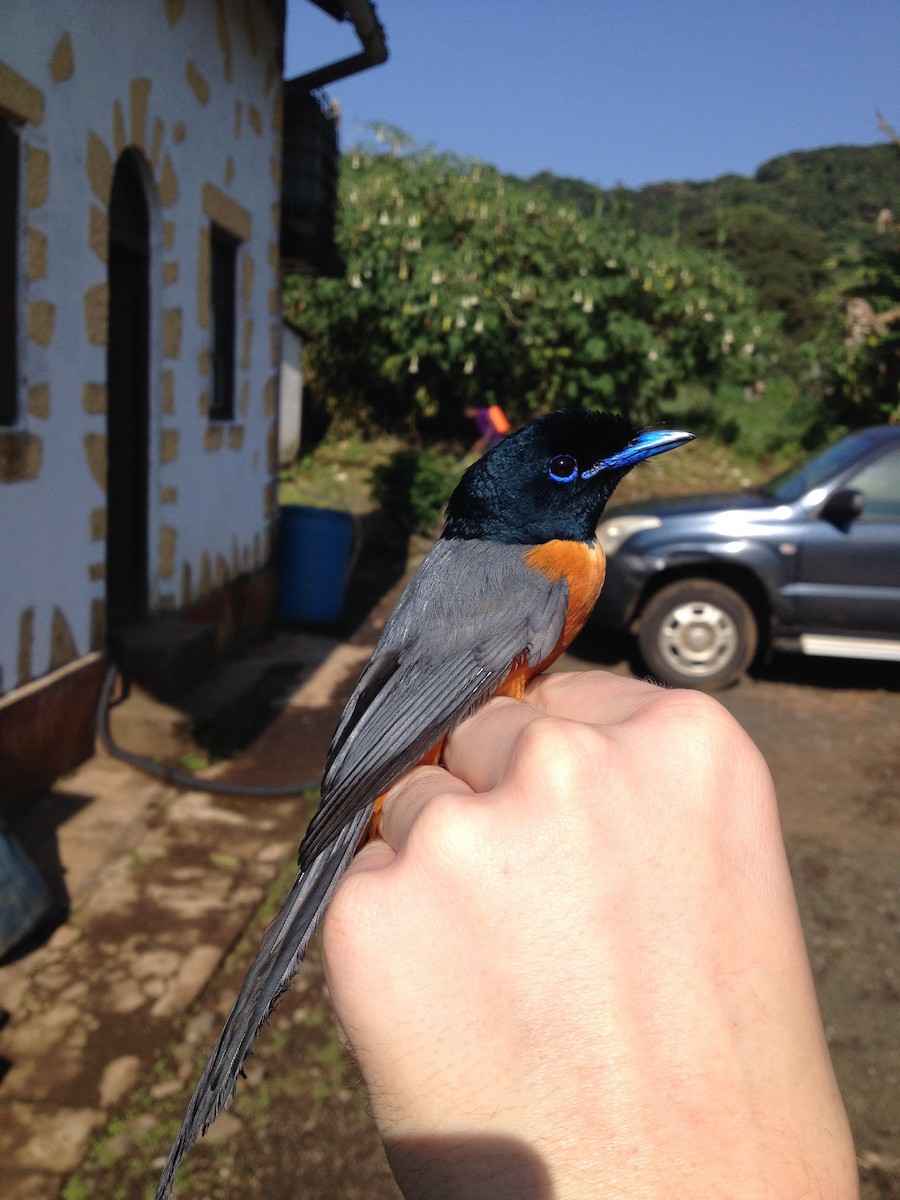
[(371, 37)]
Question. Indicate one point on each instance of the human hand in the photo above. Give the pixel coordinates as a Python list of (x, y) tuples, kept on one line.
[(573, 966)]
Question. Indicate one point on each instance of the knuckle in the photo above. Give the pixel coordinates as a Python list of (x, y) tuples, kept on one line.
[(444, 830), (712, 747), (697, 718), (559, 753)]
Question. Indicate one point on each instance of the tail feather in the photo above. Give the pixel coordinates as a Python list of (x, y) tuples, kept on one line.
[(283, 948)]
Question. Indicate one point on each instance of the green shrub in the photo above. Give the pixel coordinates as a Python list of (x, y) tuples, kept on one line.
[(776, 425), (413, 487)]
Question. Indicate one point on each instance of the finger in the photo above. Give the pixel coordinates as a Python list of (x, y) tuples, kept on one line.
[(480, 751), (405, 801), (374, 856), (596, 697)]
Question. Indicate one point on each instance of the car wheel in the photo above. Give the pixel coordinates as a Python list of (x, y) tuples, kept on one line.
[(697, 633)]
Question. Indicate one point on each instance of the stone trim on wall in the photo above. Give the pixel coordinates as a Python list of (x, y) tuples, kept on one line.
[(21, 99), (21, 455), (225, 212)]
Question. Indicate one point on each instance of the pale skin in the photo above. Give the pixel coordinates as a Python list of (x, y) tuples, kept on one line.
[(573, 966)]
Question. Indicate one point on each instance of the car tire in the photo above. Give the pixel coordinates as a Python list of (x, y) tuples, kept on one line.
[(697, 633)]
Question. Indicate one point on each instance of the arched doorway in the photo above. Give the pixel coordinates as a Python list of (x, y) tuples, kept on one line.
[(127, 363)]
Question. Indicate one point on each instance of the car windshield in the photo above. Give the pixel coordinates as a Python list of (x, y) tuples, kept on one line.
[(796, 481)]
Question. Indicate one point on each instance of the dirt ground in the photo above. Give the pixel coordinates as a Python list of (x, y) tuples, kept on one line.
[(300, 1124), (835, 756)]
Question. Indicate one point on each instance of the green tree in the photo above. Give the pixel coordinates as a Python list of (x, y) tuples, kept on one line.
[(863, 382), (463, 287), (782, 261)]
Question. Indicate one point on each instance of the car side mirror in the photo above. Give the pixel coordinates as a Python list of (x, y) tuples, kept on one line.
[(843, 507)]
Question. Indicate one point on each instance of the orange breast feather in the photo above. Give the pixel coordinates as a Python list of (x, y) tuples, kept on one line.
[(584, 568)]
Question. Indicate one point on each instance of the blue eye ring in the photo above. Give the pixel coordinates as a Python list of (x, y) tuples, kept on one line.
[(562, 468)]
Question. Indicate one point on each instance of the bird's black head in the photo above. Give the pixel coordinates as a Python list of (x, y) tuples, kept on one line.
[(551, 479)]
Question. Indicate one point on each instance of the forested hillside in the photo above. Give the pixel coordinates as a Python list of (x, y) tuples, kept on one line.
[(837, 192)]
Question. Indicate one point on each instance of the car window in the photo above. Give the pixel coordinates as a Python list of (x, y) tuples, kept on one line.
[(879, 483), (796, 481)]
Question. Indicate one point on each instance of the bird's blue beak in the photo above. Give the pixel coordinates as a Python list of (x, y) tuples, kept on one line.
[(645, 445)]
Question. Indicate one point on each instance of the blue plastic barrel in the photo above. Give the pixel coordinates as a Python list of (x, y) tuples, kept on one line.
[(315, 546)]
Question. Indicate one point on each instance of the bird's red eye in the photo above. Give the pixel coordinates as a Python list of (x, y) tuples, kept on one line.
[(562, 468)]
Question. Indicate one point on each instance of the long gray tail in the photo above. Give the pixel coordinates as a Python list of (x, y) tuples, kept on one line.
[(283, 948)]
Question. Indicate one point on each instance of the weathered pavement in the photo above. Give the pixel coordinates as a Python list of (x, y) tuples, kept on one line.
[(161, 883)]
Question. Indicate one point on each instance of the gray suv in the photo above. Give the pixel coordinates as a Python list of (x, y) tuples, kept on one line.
[(808, 563)]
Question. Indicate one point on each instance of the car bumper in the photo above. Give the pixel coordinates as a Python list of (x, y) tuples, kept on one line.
[(626, 575)]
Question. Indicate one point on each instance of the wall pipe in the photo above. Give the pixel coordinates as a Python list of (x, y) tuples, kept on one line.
[(372, 39)]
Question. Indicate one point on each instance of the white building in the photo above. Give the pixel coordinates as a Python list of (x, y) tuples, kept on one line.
[(140, 340)]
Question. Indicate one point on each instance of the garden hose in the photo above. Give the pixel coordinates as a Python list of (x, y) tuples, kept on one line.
[(174, 776)]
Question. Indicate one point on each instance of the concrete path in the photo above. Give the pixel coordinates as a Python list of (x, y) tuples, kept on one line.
[(161, 883)]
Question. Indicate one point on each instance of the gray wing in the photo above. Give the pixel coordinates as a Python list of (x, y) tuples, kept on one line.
[(470, 612)]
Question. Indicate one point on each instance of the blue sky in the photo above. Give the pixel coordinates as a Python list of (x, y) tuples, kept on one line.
[(630, 91)]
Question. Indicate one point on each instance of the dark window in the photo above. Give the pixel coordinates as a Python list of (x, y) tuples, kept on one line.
[(309, 184), (879, 483), (128, 403), (223, 282), (9, 242)]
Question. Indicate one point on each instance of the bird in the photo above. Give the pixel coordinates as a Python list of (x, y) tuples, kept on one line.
[(507, 586)]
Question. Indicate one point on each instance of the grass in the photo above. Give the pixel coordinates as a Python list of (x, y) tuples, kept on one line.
[(767, 429), (336, 474)]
